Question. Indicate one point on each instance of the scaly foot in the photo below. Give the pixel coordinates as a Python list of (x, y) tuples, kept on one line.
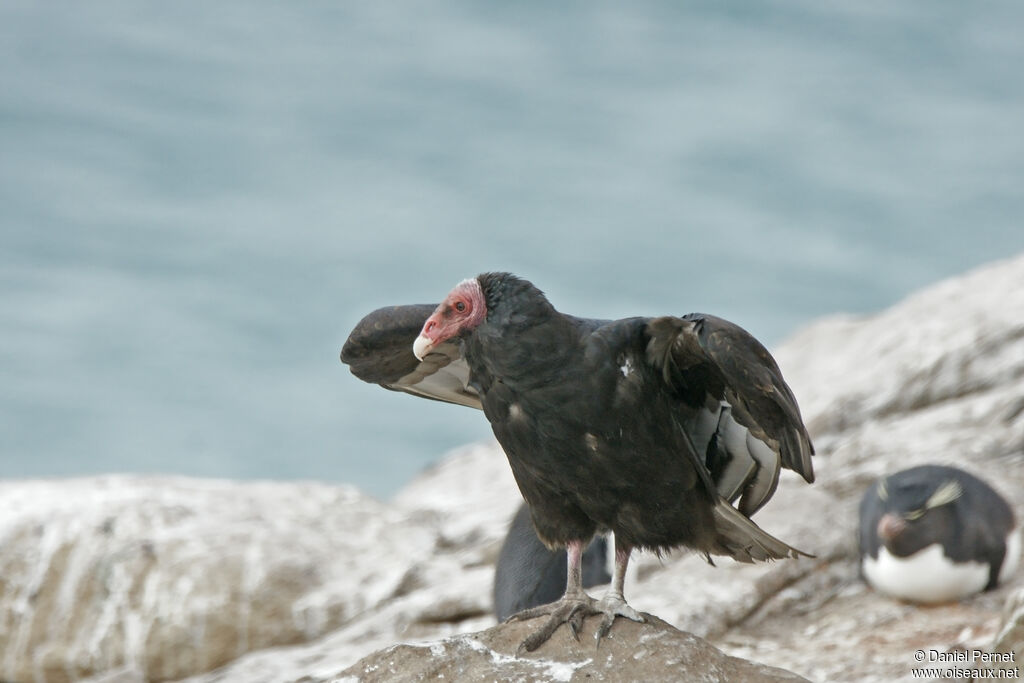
[(570, 609), (614, 605)]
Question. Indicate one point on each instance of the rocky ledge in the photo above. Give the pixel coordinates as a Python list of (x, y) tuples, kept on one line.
[(652, 652), (127, 578)]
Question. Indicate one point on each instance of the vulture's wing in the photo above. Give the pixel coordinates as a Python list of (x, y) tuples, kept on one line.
[(746, 413), (379, 351)]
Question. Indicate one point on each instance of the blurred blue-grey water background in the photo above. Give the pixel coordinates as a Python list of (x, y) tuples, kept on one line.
[(199, 199)]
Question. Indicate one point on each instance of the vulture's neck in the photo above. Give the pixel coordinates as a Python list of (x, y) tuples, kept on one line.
[(524, 345)]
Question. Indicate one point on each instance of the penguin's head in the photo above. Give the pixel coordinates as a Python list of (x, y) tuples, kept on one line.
[(916, 512)]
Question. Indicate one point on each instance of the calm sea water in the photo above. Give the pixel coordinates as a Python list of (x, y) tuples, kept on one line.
[(199, 199)]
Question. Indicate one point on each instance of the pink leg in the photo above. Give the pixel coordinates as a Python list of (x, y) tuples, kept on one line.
[(571, 609), (613, 604)]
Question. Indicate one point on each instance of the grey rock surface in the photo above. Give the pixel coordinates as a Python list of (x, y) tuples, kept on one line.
[(170, 576), (1009, 641), (653, 652)]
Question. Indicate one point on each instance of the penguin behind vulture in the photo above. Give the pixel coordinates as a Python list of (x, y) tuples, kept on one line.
[(934, 534)]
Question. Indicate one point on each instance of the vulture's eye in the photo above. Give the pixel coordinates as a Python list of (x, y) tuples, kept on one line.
[(460, 306)]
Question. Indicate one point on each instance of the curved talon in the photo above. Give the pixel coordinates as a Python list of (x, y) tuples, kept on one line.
[(532, 613), (568, 610), (575, 619), (614, 606), (604, 628)]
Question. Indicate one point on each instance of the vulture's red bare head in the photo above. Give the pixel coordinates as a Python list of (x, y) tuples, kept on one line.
[(461, 311)]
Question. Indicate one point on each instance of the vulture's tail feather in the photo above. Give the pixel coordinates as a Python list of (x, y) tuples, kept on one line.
[(744, 541)]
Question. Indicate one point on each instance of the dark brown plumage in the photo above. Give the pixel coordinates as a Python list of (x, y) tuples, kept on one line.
[(648, 427)]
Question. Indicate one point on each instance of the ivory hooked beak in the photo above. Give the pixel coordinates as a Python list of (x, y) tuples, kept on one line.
[(422, 346)]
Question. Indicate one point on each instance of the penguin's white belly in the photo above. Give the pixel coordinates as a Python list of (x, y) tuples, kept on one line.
[(1012, 558), (927, 576)]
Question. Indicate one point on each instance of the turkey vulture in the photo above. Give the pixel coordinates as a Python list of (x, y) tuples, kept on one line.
[(933, 533), (649, 427)]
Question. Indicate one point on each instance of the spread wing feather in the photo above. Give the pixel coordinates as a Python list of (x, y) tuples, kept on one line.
[(379, 351), (726, 375)]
